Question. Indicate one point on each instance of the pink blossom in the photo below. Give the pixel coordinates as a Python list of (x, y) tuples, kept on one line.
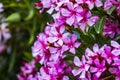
[(91, 3), (99, 67), (57, 35), (71, 44), (83, 67), (28, 71), (111, 28), (72, 13)]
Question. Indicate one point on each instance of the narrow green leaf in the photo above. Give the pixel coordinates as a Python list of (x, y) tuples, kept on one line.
[(111, 10), (14, 17), (100, 24), (31, 14)]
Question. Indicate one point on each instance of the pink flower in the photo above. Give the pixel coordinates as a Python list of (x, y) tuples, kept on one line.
[(83, 67), (107, 5), (71, 44), (57, 35), (91, 3), (72, 13), (111, 28), (98, 68), (28, 71), (108, 54), (116, 46)]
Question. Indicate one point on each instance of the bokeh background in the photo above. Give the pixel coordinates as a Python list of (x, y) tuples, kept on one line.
[(24, 23)]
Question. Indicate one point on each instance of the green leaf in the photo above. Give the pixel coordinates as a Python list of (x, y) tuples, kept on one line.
[(111, 10), (14, 17), (31, 14), (100, 24)]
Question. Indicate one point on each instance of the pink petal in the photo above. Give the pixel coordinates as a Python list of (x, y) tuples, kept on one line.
[(83, 74), (113, 70), (76, 72), (65, 78), (73, 38), (98, 3), (65, 12), (95, 48), (77, 44), (115, 44), (98, 74), (77, 61), (116, 52), (93, 69), (52, 39), (72, 50), (70, 20)]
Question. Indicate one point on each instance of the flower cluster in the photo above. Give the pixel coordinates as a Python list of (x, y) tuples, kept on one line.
[(50, 46), (111, 28), (28, 71), (71, 12), (110, 3), (99, 63)]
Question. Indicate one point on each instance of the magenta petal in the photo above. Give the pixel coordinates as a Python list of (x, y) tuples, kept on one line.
[(95, 48), (93, 69), (98, 74), (73, 38), (113, 70)]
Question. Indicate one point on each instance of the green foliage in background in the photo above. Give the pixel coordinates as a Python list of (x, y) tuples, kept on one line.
[(25, 22)]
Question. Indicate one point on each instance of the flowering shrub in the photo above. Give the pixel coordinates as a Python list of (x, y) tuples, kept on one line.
[(80, 42)]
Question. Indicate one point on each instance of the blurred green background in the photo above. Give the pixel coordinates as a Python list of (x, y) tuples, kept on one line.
[(25, 23)]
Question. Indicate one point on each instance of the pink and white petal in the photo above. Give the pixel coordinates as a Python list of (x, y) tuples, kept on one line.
[(65, 78), (52, 39), (77, 44), (96, 48), (50, 10), (60, 42), (70, 20), (62, 29), (90, 4), (115, 44), (53, 50), (72, 50), (76, 72), (98, 3), (116, 52), (98, 74), (83, 74), (77, 61), (79, 1), (78, 17), (70, 6), (65, 12)]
